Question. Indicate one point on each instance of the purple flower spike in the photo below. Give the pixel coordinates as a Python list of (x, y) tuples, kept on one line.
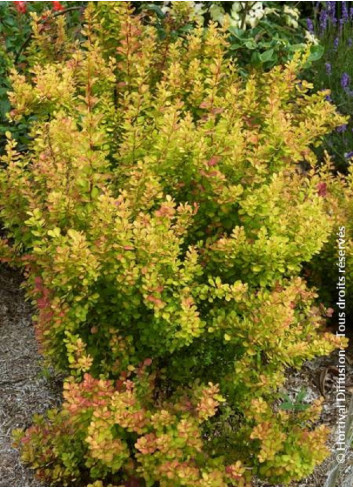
[(348, 155), (344, 12), (351, 13), (310, 26), (350, 42), (335, 43), (323, 20), (331, 9), (342, 128), (345, 79), (328, 68)]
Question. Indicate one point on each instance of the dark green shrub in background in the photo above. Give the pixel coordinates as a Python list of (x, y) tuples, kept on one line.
[(261, 34)]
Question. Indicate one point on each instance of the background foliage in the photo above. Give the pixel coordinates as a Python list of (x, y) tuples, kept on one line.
[(15, 32), (333, 26)]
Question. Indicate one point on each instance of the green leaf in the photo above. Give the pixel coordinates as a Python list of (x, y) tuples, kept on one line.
[(235, 46), (266, 56), (157, 10), (238, 33), (54, 233), (316, 52), (255, 58), (95, 192), (296, 47), (250, 44)]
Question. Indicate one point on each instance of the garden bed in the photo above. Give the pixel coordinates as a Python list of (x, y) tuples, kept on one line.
[(316, 378), (25, 389)]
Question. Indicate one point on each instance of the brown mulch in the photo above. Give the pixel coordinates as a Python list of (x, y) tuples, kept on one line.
[(25, 388), (318, 379)]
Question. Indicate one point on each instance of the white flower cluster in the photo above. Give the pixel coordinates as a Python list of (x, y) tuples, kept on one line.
[(199, 10), (291, 16), (248, 14), (245, 14), (311, 38), (240, 15), (252, 17)]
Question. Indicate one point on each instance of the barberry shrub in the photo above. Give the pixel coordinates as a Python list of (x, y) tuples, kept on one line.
[(162, 219)]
